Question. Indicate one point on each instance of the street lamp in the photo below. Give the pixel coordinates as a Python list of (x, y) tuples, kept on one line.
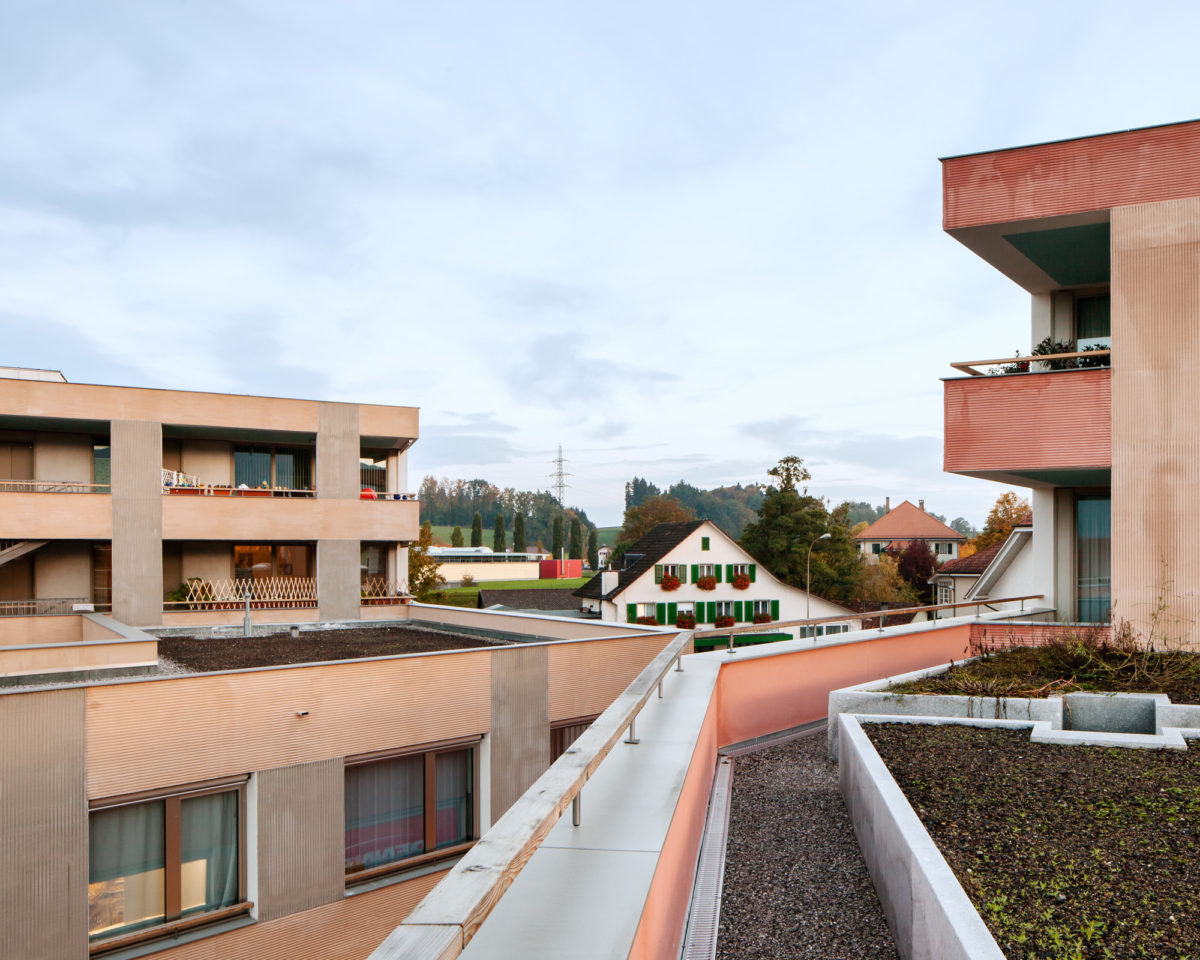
[(808, 578)]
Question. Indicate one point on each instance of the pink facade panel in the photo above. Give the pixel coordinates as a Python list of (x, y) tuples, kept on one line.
[(560, 569), (1027, 422), (1074, 176)]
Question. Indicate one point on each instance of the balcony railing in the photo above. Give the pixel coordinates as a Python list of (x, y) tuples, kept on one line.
[(182, 484), (45, 606), (1037, 363), (380, 591), (52, 486), (264, 593), (367, 493)]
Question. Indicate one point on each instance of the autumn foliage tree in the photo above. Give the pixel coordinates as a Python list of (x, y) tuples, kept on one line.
[(423, 577), (643, 518), (915, 565), (1006, 513)]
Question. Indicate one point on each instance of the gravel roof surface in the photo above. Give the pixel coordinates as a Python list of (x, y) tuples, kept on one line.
[(795, 882)]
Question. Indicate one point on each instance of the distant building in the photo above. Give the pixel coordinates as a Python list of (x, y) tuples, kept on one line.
[(1004, 569), (905, 523), (482, 565), (699, 555)]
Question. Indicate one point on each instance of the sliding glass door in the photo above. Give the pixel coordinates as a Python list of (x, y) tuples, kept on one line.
[(1093, 558)]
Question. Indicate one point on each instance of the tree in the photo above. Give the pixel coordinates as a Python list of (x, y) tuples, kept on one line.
[(789, 522), (498, 539), (880, 583), (647, 515), (477, 530), (423, 576), (557, 541), (593, 549), (962, 525), (519, 533), (1006, 513), (915, 564), (575, 544), (456, 538)]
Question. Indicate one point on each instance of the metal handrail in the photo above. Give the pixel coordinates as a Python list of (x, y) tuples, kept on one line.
[(452, 913), (965, 366), (43, 607), (865, 615), (52, 486)]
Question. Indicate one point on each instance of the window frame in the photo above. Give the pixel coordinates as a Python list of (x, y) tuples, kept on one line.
[(765, 604), (724, 608), (430, 753), (558, 730), (172, 798), (711, 569)]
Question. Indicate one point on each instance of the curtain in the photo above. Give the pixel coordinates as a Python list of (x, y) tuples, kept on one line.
[(251, 466), (209, 848), (385, 812), (126, 863), (455, 798), (1094, 558)]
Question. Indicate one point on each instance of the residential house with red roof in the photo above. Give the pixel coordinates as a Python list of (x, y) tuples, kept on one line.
[(905, 523)]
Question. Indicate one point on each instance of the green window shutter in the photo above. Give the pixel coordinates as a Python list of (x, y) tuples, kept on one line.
[(737, 611), (729, 573), (704, 543), (695, 572), (753, 571), (717, 572), (683, 573), (660, 612), (631, 612), (658, 573), (712, 612), (774, 609), (672, 612)]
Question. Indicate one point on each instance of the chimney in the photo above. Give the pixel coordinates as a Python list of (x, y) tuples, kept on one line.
[(887, 504), (921, 504), (608, 581)]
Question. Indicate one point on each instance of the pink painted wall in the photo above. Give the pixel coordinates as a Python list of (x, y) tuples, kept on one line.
[(560, 569)]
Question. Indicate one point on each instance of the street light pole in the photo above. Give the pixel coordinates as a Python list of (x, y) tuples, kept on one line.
[(808, 579)]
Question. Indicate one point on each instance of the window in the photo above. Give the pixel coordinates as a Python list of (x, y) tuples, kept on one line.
[(762, 606), (156, 865), (945, 593), (673, 570), (682, 608), (823, 630), (565, 732), (285, 468), (1092, 322), (258, 561), (704, 543), (646, 609), (724, 608), (372, 470), (373, 562), (943, 548), (877, 548), (707, 570), (409, 808), (741, 569)]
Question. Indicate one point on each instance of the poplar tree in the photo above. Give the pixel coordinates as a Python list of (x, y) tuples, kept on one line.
[(557, 534), (477, 531), (593, 549), (519, 533), (575, 550), (498, 543), (456, 538)]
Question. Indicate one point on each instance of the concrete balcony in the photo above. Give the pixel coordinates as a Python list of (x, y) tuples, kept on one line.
[(273, 519), (33, 515), (1031, 429)]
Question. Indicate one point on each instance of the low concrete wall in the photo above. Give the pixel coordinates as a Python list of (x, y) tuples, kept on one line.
[(26, 631), (929, 913), (491, 572), (533, 626)]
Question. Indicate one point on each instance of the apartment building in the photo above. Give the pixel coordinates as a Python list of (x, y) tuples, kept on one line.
[(1103, 232), (158, 505)]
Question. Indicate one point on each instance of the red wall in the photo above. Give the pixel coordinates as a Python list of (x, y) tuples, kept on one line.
[(560, 569)]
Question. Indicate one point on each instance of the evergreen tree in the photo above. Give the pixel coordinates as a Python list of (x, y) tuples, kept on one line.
[(519, 533), (575, 548), (477, 530), (593, 549), (557, 541), (498, 543), (456, 538)]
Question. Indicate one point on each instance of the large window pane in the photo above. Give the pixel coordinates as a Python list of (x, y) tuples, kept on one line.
[(1094, 558), (252, 466), (385, 812), (252, 561), (1092, 321), (209, 852), (293, 468), (455, 798), (372, 468), (125, 868)]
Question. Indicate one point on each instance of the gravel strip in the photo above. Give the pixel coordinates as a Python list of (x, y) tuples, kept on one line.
[(795, 882)]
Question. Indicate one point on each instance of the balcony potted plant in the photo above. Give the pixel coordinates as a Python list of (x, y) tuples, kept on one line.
[(670, 582), (707, 583)]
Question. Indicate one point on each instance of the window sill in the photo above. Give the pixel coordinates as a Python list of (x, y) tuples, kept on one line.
[(167, 936), (441, 860)]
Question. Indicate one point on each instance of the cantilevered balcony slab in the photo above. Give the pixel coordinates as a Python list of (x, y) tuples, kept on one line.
[(250, 520), (1031, 429)]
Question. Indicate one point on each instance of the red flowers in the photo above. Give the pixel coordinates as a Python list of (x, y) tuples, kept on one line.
[(670, 583), (647, 621), (685, 621), (762, 618), (724, 622), (741, 581), (707, 583)]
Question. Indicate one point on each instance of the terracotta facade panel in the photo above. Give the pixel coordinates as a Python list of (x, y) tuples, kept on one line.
[(586, 677)]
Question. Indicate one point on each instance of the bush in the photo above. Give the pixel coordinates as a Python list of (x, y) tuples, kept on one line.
[(467, 580)]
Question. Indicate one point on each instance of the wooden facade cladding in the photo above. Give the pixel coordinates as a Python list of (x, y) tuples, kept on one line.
[(585, 678), (1029, 422), (1072, 176), (269, 520)]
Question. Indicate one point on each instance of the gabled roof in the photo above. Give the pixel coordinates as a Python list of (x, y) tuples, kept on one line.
[(908, 522), (975, 564), (655, 545)]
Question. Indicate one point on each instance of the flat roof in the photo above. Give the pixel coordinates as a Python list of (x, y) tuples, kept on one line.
[(1087, 136)]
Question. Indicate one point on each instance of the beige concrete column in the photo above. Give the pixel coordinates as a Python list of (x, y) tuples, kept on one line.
[(520, 729), (338, 447), (137, 522), (43, 827)]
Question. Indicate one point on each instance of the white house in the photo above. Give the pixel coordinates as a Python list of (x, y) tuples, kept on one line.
[(900, 526), (692, 570), (1005, 569)]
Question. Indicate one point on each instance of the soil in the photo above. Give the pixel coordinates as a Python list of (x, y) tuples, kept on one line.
[(203, 654), (795, 883), (1066, 851), (1065, 667)]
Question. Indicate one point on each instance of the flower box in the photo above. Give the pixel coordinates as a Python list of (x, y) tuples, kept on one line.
[(707, 583), (741, 581), (670, 583), (184, 491), (762, 618), (685, 621), (647, 621), (723, 622)]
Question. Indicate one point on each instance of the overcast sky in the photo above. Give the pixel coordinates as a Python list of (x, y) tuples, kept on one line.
[(681, 239)]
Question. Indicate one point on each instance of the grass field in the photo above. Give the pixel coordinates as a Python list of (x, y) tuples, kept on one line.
[(607, 536), (469, 596)]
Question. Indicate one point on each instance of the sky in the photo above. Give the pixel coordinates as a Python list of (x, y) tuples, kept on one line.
[(682, 240)]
